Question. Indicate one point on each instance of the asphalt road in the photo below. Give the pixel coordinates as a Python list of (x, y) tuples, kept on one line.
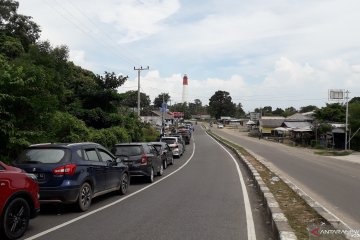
[(200, 197), (333, 183)]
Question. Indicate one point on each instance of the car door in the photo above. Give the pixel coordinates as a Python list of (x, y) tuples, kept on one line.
[(114, 171), (97, 169)]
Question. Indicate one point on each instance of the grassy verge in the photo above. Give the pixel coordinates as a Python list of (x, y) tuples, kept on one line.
[(333, 153), (299, 214)]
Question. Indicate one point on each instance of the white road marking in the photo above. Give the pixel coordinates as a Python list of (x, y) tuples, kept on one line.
[(249, 216), (111, 204)]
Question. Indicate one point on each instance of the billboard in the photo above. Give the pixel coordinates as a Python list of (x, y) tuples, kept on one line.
[(336, 94)]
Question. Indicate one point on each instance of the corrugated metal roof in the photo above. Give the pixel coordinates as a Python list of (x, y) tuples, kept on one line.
[(271, 122), (297, 125), (298, 117)]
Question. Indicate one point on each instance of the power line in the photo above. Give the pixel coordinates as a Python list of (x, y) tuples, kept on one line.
[(83, 31)]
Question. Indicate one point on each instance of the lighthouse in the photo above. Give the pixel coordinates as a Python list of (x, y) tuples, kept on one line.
[(185, 88)]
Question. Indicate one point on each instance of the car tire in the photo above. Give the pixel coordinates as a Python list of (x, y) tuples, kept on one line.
[(124, 184), (85, 196), (151, 177), (15, 218), (172, 160), (161, 170)]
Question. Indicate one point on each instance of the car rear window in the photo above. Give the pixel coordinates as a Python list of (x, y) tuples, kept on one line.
[(46, 155), (128, 150), (168, 140), (158, 147)]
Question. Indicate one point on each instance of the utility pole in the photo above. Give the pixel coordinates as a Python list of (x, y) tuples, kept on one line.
[(138, 100), (346, 121)]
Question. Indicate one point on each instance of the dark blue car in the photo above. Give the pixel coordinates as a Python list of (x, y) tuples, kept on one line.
[(74, 173)]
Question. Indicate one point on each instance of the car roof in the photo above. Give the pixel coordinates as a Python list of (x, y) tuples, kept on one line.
[(131, 144), (63, 145)]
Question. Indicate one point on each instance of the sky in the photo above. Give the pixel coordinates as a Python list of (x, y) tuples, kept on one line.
[(277, 53)]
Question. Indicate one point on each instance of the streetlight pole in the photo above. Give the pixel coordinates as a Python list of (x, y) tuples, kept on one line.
[(346, 121), (138, 95)]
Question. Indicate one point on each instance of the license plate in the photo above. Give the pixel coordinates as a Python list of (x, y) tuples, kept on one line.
[(40, 176)]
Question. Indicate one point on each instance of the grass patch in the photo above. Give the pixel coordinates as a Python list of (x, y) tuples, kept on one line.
[(333, 153), (299, 214)]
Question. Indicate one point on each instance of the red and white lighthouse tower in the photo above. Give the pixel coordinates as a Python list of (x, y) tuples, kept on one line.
[(185, 88)]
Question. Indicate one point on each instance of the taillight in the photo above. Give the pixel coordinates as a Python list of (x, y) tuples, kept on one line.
[(68, 169), (144, 159)]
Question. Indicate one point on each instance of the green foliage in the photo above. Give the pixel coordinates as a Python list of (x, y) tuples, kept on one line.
[(64, 127), (289, 111), (355, 100), (278, 112), (46, 98), (220, 104), (331, 113), (129, 99), (150, 134), (308, 108), (354, 122), (163, 97)]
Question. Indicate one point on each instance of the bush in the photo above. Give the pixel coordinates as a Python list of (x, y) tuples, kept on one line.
[(150, 134), (64, 127)]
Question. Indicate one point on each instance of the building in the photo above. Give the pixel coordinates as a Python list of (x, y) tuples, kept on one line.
[(155, 118)]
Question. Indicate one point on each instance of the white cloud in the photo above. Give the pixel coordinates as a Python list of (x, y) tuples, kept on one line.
[(136, 19)]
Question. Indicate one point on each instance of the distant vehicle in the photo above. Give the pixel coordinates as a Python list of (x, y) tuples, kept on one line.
[(142, 158), (174, 144), (165, 152), (74, 173), (180, 138), (186, 135), (19, 201), (220, 125)]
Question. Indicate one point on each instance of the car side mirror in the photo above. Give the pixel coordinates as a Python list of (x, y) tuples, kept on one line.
[(118, 160)]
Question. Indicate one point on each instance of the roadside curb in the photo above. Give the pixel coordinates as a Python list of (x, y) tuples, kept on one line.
[(280, 224)]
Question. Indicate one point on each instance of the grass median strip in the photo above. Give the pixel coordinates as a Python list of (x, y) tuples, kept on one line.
[(301, 217)]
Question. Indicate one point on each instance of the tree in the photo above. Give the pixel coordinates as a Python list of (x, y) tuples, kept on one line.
[(239, 111), (354, 124), (334, 112), (308, 108), (163, 97), (278, 112), (289, 111), (130, 99), (267, 111), (220, 104), (17, 25), (355, 100)]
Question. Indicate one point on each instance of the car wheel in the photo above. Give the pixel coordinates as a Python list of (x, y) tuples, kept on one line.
[(161, 170), (85, 196), (165, 163), (16, 218), (172, 160), (124, 184), (151, 177)]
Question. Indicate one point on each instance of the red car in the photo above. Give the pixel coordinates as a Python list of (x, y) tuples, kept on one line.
[(19, 201)]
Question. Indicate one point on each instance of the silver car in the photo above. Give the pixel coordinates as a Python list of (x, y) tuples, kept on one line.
[(174, 144)]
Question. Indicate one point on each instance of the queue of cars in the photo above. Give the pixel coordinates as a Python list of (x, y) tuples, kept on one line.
[(76, 173)]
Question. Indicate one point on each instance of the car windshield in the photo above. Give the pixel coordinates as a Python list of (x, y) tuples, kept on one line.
[(128, 150), (46, 155)]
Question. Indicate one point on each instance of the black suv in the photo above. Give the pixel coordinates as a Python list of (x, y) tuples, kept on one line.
[(142, 158), (74, 173)]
